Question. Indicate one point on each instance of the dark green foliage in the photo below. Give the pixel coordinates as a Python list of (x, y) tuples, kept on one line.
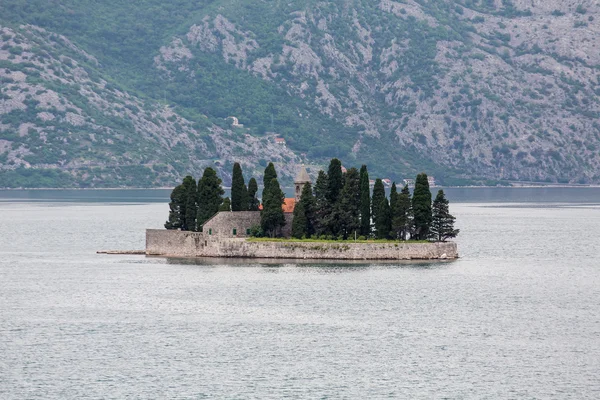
[(253, 202), (393, 206), (377, 212), (442, 224), (383, 220), (268, 176), (182, 208), (335, 180), (226, 205), (402, 215), (365, 202), (176, 207), (346, 220), (210, 196), (239, 192), (322, 206), (271, 217), (190, 193), (299, 223), (421, 205), (302, 224)]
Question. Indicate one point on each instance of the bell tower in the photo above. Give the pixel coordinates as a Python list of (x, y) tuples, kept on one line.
[(301, 180)]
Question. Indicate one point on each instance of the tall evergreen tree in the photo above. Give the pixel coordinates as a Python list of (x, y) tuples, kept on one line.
[(442, 224), (210, 196), (308, 204), (239, 192), (253, 202), (299, 223), (393, 208), (176, 208), (421, 206), (189, 185), (380, 210), (335, 181), (401, 215), (322, 208), (383, 221), (225, 205), (268, 177), (271, 217), (365, 202), (346, 216)]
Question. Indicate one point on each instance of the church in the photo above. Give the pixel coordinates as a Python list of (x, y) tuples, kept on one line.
[(238, 224)]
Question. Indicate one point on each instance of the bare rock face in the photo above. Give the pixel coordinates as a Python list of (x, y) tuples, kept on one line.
[(507, 90), (68, 121), (498, 90)]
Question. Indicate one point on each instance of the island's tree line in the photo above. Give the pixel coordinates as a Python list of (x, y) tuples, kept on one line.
[(339, 206)]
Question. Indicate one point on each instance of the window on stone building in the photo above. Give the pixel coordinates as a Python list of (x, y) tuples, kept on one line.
[(210, 231), (234, 231), (248, 231)]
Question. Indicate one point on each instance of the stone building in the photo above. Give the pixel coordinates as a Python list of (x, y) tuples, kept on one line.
[(238, 224)]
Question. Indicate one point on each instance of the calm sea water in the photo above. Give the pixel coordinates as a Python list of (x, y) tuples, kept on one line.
[(518, 316)]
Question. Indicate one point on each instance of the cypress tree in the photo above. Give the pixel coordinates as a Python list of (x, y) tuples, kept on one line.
[(346, 216), (210, 196), (253, 202), (176, 207), (335, 181), (380, 211), (226, 205), (394, 198), (401, 215), (271, 217), (269, 175), (442, 224), (308, 204), (299, 223), (365, 202), (421, 206), (239, 192), (322, 206), (190, 189), (383, 223)]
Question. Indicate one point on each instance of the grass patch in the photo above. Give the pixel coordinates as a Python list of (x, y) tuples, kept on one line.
[(373, 241)]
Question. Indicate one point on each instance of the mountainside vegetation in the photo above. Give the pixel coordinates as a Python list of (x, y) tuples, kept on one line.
[(100, 94)]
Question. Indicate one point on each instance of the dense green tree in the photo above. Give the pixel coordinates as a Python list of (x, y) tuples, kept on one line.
[(335, 181), (307, 213), (421, 206), (225, 205), (299, 223), (393, 206), (378, 194), (442, 224), (253, 202), (191, 209), (346, 215), (210, 196), (239, 192), (271, 217), (268, 177), (383, 221), (176, 208), (365, 202), (322, 208), (401, 215)]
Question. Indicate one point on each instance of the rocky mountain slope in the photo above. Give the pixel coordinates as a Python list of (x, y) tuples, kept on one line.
[(465, 90)]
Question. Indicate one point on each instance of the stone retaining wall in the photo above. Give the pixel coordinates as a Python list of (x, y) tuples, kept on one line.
[(194, 244)]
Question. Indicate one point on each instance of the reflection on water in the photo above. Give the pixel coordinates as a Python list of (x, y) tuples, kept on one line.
[(347, 265)]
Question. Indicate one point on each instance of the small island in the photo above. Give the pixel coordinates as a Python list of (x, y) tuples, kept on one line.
[(340, 218)]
